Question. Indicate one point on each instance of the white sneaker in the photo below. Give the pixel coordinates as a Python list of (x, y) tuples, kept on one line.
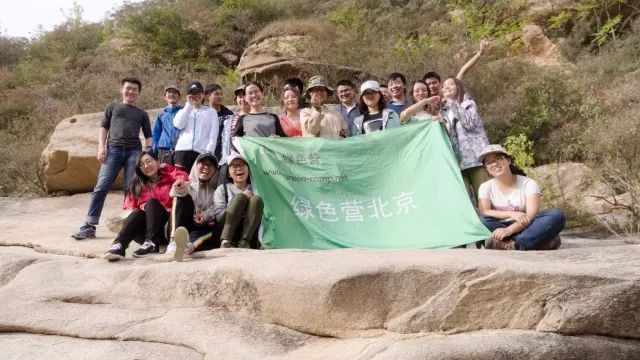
[(171, 248), (181, 237)]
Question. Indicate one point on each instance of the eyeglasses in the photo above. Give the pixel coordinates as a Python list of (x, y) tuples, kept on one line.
[(145, 164), (495, 160)]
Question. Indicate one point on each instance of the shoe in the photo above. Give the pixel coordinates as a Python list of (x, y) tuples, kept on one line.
[(480, 244), (87, 231), (504, 245), (115, 252), (244, 244), (552, 244), (181, 237), (225, 244), (171, 248), (148, 248)]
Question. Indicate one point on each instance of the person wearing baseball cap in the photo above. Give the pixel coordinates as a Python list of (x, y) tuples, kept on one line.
[(374, 116), (319, 120), (193, 216), (509, 205), (198, 125), (164, 135), (235, 204)]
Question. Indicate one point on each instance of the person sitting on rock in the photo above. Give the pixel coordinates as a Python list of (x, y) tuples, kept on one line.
[(193, 215), (198, 126), (148, 197), (118, 147), (374, 115), (290, 118), (236, 207), (319, 120), (164, 135), (509, 205)]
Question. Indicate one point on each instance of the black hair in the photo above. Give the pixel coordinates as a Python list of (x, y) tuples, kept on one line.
[(295, 82), (211, 88), (132, 80), (431, 74), (140, 180), (397, 75), (346, 82), (253, 83), (230, 180), (364, 109), (384, 86)]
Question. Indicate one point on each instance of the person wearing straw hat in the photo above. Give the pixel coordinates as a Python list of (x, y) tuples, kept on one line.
[(374, 115), (509, 205), (319, 120)]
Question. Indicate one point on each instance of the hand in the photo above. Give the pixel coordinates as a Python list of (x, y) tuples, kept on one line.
[(501, 234), (522, 218), (142, 206), (180, 184), (102, 155), (433, 100), (248, 193), (198, 218), (484, 46)]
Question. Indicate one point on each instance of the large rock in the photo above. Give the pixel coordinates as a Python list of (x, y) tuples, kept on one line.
[(576, 302)]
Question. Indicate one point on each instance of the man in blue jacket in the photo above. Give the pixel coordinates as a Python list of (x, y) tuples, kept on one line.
[(164, 134)]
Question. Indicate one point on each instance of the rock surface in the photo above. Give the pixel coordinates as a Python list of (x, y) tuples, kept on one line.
[(576, 302)]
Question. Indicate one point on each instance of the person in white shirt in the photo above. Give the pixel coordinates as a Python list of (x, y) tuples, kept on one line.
[(509, 205), (198, 126)]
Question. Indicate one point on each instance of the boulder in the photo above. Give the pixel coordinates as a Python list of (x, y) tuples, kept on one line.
[(541, 51), (69, 161)]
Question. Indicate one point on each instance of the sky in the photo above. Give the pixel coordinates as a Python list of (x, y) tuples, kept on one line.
[(20, 18)]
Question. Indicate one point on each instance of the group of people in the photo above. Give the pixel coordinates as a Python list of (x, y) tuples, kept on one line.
[(190, 190)]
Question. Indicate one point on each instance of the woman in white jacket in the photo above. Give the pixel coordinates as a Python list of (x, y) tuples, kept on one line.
[(198, 126)]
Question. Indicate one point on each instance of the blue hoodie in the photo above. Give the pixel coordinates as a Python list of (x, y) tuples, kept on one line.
[(164, 134)]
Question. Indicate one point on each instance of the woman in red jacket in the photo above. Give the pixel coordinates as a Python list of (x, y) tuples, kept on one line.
[(148, 197)]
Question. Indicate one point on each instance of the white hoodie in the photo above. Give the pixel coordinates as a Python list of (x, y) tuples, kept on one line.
[(198, 128)]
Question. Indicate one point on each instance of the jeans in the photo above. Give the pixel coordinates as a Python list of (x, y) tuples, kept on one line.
[(117, 158), (544, 227), (145, 225)]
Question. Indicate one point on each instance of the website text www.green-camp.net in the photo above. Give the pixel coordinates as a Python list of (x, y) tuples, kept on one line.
[(310, 179)]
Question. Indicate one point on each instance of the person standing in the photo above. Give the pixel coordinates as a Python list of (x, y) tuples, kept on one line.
[(290, 118), (348, 106), (214, 96), (374, 115), (164, 134), (199, 128), (118, 147), (319, 120), (397, 84)]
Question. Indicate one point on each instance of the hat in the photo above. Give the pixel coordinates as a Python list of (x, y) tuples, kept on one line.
[(369, 85), (235, 155), (492, 149), (194, 86), (171, 87), (318, 81), (239, 89), (207, 156)]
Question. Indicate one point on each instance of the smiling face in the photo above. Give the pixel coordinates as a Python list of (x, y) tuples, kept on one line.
[(346, 94), (148, 165), (172, 96), (420, 91), (215, 98), (497, 164), (291, 100), (130, 93), (434, 85), (396, 89), (205, 170), (449, 89), (196, 97), (238, 171), (318, 95), (371, 99), (253, 96)]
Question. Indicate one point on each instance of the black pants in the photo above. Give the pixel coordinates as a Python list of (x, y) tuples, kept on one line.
[(183, 213), (185, 159), (141, 226)]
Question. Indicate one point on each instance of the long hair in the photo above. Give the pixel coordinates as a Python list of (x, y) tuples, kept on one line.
[(141, 181), (460, 88), (364, 109)]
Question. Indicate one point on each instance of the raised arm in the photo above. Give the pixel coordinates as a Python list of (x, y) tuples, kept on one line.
[(406, 115), (484, 46), (182, 117), (310, 120)]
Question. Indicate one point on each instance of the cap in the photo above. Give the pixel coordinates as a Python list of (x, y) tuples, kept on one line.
[(194, 86), (492, 149), (369, 85), (207, 156), (171, 87), (318, 81), (235, 155), (239, 89)]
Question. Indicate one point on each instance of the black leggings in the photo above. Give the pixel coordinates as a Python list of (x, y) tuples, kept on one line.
[(145, 225), (185, 159)]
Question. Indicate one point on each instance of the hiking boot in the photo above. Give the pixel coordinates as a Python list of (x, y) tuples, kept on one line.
[(244, 244), (504, 245), (115, 252), (148, 248), (181, 237), (225, 244), (87, 231), (552, 244)]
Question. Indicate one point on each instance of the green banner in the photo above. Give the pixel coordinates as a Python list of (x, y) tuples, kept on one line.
[(393, 189)]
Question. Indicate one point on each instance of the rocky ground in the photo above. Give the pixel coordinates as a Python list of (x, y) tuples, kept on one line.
[(58, 301)]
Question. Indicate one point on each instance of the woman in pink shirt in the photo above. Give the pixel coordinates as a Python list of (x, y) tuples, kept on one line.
[(290, 119)]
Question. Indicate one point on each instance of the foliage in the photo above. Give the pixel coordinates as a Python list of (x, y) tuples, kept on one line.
[(521, 149), (348, 17)]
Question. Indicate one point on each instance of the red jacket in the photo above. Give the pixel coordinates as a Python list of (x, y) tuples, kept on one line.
[(160, 191)]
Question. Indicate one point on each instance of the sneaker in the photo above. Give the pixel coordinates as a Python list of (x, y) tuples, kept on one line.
[(148, 248), (171, 248), (115, 252), (87, 231), (225, 244), (181, 237)]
